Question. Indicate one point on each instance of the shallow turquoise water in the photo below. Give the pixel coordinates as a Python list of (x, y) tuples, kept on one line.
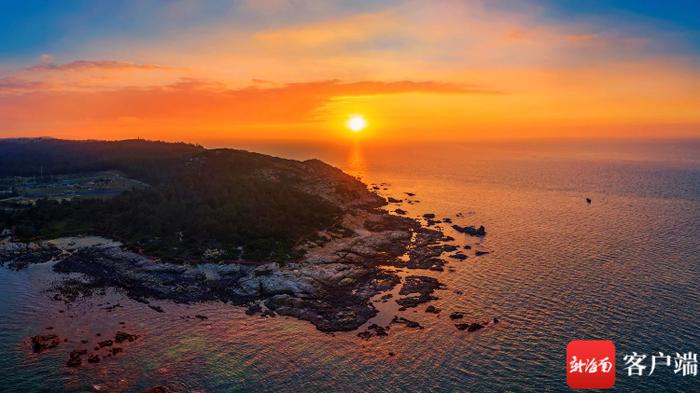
[(625, 268)]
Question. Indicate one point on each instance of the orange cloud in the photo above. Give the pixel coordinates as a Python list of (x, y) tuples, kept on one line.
[(192, 105)]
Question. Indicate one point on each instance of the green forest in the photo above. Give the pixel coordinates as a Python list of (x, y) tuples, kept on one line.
[(198, 199)]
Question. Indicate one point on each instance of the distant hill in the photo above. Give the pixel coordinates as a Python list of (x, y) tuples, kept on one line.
[(223, 202), (31, 156)]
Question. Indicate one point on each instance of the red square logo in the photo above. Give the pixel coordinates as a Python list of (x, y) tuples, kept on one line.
[(590, 364)]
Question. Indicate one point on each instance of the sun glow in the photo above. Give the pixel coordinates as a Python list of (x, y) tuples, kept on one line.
[(356, 123)]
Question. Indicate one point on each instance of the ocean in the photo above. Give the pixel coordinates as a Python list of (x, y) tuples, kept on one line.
[(625, 267)]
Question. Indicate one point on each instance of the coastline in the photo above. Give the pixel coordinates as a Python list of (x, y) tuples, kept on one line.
[(331, 286)]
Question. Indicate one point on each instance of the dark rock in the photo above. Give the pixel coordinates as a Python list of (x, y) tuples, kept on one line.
[(474, 327), (366, 335), (426, 251), (447, 220), (432, 309), (467, 247), (470, 230), (373, 330), (378, 330), (410, 194), (41, 343), (394, 200), (253, 308), (201, 317), (588, 200), (459, 256), (457, 315), (495, 320), (120, 337), (94, 358), (116, 350), (420, 284), (478, 253), (470, 327), (407, 322), (74, 358), (423, 286), (400, 211), (429, 216), (156, 308), (105, 343), (392, 354), (337, 314)]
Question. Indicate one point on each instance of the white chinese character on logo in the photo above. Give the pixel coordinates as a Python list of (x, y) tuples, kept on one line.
[(665, 359), (686, 363), (576, 365), (634, 362), (605, 365)]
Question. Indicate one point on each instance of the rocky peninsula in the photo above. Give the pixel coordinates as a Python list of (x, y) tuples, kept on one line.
[(324, 270)]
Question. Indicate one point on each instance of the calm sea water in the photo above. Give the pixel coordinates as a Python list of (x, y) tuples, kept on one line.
[(625, 268)]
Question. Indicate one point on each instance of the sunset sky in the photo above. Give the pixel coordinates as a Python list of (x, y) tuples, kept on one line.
[(297, 70)]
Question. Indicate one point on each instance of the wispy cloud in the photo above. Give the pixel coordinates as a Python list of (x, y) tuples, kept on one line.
[(95, 65), (14, 84)]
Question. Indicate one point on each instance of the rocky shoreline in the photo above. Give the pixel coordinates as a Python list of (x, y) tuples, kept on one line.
[(331, 286)]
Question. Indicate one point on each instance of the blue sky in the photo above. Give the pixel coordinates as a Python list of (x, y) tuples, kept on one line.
[(30, 28)]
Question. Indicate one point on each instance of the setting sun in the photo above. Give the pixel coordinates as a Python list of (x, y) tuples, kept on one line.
[(356, 123)]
